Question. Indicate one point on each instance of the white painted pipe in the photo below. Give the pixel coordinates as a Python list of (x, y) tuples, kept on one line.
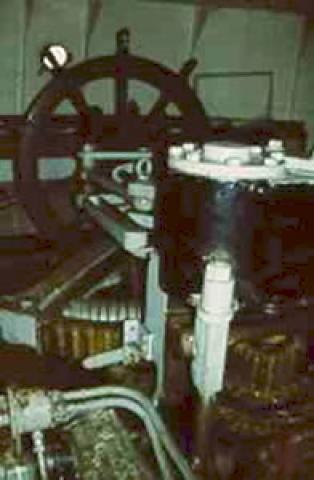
[(213, 316)]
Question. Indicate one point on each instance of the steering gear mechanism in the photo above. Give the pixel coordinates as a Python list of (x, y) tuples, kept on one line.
[(192, 243)]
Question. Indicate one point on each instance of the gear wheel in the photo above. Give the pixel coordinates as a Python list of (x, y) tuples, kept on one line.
[(268, 367)]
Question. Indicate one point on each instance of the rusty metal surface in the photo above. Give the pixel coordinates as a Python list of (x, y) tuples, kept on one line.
[(103, 449)]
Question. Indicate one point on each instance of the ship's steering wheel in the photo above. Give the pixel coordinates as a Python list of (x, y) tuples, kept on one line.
[(67, 85)]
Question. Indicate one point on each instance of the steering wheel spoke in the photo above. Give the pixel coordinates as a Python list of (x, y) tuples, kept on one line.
[(79, 102)]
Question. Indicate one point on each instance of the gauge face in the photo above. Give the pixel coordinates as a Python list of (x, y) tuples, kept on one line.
[(54, 57)]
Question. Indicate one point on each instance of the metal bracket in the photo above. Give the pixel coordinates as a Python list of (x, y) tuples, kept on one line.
[(155, 320)]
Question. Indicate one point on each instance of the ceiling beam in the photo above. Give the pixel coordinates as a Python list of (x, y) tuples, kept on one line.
[(304, 7), (202, 9)]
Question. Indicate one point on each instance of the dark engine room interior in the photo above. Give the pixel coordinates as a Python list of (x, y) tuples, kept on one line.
[(156, 240)]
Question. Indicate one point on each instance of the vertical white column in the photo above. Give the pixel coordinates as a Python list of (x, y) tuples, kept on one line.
[(213, 316)]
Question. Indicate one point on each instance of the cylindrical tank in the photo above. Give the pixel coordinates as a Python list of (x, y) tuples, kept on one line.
[(195, 217), (265, 224)]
